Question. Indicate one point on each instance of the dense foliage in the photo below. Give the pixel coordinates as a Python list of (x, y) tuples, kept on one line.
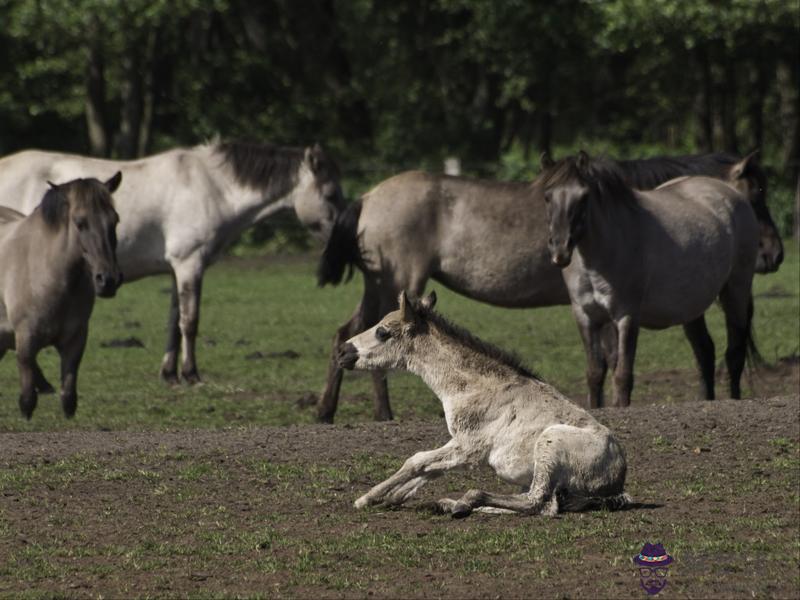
[(393, 85)]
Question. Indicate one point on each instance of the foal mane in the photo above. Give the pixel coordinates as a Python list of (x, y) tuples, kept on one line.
[(481, 347), (261, 165), (602, 176)]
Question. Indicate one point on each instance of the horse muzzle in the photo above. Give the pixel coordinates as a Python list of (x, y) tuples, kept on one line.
[(105, 284), (347, 356)]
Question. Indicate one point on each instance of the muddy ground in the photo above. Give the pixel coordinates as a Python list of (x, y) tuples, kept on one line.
[(268, 512)]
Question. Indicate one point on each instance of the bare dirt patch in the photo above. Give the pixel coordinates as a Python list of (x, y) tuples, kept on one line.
[(268, 512)]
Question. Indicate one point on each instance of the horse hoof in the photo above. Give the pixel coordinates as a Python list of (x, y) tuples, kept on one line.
[(69, 406), (45, 388), (191, 378), (362, 502), (169, 377), (27, 406), (461, 510)]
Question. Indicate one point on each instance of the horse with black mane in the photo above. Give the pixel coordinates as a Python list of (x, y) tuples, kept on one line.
[(651, 259), (180, 209), (52, 263), (484, 239)]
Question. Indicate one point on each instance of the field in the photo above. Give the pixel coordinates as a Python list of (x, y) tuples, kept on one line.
[(229, 489)]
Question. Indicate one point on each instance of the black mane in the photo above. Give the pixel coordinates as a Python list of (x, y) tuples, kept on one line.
[(262, 166), (473, 343), (54, 206), (649, 173), (603, 176)]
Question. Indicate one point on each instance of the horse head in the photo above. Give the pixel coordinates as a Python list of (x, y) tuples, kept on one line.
[(85, 207), (318, 197), (747, 176)]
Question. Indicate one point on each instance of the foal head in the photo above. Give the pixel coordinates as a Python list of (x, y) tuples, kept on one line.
[(85, 209), (318, 197), (388, 344), (751, 181)]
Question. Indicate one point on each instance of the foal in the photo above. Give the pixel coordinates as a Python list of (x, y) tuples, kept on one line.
[(498, 413), (52, 263)]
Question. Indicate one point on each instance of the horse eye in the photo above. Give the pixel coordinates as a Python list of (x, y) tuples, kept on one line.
[(382, 334), (81, 224)]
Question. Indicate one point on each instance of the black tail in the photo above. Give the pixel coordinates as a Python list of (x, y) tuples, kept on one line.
[(754, 358), (573, 503), (341, 251)]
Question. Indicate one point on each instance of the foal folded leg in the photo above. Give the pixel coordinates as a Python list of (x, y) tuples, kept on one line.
[(71, 353), (169, 364), (703, 348), (418, 469)]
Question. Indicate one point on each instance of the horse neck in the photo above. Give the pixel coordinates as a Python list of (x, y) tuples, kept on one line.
[(247, 203), (612, 234)]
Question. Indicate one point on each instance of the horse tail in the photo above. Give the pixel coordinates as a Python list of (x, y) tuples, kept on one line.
[(341, 250), (575, 503), (753, 356)]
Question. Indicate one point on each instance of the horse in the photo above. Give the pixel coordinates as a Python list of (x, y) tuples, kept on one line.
[(651, 259), (484, 239), (498, 413), (52, 264), (180, 209)]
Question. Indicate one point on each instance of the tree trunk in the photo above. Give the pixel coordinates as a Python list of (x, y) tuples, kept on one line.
[(705, 130), (730, 140), (131, 95), (95, 109)]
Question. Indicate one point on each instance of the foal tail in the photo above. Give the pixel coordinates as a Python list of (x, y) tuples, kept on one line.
[(341, 251)]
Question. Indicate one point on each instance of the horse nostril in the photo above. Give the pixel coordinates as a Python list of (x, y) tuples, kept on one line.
[(100, 278)]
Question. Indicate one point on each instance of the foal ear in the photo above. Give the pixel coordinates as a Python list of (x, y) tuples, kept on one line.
[(113, 183), (546, 161), (406, 310), (739, 169), (429, 301)]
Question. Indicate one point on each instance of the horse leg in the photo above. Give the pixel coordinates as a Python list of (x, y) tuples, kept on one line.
[(189, 281), (326, 408), (40, 381), (169, 365), (593, 337), (418, 469), (71, 353), (26, 361), (738, 307), (703, 348), (628, 334)]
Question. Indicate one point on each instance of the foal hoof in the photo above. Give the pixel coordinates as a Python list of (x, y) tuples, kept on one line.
[(27, 406), (362, 502), (461, 510), (169, 377)]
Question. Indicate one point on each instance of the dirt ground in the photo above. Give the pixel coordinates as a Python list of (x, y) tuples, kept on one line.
[(268, 512)]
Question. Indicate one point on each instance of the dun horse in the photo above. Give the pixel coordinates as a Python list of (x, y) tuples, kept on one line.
[(181, 208), (651, 259), (486, 240), (52, 263), (498, 414)]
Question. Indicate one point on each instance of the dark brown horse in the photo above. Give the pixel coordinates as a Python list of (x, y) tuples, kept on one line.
[(650, 259), (52, 263), (486, 240)]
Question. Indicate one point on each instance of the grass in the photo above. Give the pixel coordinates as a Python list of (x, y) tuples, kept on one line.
[(274, 306)]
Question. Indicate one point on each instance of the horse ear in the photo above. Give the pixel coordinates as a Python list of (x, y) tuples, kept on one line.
[(113, 183), (312, 156), (429, 301), (51, 184), (406, 310), (583, 160), (546, 161), (740, 168)]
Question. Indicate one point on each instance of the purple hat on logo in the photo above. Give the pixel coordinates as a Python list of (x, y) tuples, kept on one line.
[(653, 555)]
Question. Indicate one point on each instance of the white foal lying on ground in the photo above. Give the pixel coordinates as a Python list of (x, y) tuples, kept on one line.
[(498, 413)]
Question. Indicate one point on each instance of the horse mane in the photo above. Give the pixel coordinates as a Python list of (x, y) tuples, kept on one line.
[(55, 205), (648, 173), (481, 347), (602, 175), (259, 165)]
